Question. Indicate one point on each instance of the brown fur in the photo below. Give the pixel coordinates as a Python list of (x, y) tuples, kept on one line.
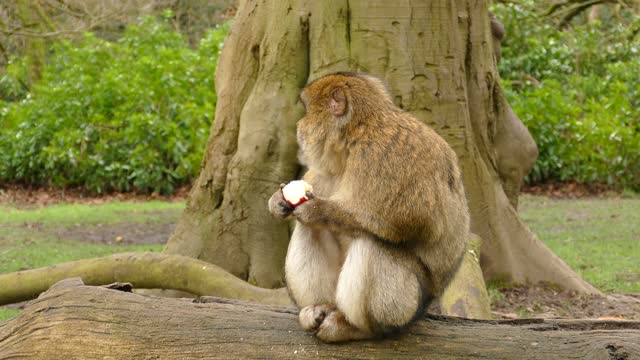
[(386, 227)]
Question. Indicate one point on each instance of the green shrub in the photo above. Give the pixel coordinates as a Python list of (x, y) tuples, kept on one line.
[(578, 92), (127, 115), (595, 146), (14, 82)]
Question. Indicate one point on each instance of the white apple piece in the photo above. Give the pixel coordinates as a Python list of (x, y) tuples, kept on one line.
[(295, 192)]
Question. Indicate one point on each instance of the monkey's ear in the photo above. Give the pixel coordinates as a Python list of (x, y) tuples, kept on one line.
[(337, 102)]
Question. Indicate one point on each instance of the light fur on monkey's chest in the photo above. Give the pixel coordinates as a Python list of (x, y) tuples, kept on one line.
[(336, 244), (344, 242)]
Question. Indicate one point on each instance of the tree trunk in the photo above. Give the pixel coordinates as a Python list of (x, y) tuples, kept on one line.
[(73, 321), (438, 58), (32, 16), (251, 149)]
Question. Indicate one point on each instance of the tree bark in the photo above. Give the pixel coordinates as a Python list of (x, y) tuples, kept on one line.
[(438, 58), (252, 146), (466, 296), (31, 15), (73, 321)]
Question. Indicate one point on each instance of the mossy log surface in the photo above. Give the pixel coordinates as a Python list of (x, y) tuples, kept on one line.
[(75, 321)]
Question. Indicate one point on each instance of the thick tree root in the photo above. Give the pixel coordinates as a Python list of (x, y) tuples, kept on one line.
[(466, 296), (143, 270)]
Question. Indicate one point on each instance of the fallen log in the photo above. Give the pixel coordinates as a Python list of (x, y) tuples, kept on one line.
[(75, 321)]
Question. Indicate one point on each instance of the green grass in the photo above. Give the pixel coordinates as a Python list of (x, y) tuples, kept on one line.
[(30, 238), (6, 314), (27, 237), (89, 214), (598, 238), (30, 254)]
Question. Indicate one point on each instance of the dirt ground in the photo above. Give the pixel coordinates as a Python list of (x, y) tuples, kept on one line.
[(549, 302), (126, 233), (569, 190), (507, 303), (26, 197), (156, 232)]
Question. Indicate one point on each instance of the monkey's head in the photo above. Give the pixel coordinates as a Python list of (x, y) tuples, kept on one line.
[(339, 107)]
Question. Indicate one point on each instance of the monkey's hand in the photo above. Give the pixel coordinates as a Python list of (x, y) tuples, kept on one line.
[(332, 214), (310, 212), (278, 206)]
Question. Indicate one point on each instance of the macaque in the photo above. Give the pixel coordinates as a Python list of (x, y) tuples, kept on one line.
[(385, 227)]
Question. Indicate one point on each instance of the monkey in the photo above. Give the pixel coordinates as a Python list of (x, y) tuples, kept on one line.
[(385, 227)]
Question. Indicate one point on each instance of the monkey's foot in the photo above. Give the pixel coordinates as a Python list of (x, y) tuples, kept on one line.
[(312, 316), (336, 328)]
